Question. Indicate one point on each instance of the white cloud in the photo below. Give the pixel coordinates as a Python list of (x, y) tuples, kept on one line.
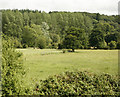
[(102, 6)]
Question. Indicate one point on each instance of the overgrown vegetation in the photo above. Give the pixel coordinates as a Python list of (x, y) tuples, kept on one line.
[(12, 70), (79, 83)]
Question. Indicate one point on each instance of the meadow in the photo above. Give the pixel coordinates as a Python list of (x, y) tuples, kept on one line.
[(41, 63)]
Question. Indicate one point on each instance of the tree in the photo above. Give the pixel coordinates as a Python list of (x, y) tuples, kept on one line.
[(71, 42), (74, 38), (41, 43), (55, 38), (96, 37), (26, 19), (45, 30), (11, 29), (29, 36), (98, 16), (55, 24), (37, 33), (111, 37)]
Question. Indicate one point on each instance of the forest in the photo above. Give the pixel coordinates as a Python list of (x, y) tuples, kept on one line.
[(33, 28)]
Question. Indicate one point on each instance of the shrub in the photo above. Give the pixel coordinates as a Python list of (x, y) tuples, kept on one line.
[(103, 45), (16, 42), (25, 46), (112, 44), (12, 70), (79, 83)]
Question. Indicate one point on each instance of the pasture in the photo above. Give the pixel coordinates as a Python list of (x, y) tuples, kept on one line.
[(46, 62)]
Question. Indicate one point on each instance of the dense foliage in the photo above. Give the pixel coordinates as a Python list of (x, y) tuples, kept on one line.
[(75, 38), (79, 83), (30, 28), (12, 70)]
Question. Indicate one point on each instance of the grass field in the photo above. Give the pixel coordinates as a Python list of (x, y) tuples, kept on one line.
[(42, 63)]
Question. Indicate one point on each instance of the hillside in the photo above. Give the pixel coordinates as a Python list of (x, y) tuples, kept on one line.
[(30, 28)]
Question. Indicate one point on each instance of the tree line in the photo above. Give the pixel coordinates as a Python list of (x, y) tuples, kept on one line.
[(72, 30)]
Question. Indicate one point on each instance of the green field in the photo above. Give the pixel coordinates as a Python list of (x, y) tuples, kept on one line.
[(42, 63)]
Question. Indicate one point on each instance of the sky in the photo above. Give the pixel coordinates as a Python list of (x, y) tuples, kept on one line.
[(107, 7)]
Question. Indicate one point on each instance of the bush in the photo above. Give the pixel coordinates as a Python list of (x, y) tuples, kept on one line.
[(25, 46), (79, 83), (16, 42), (12, 70), (112, 44), (103, 45)]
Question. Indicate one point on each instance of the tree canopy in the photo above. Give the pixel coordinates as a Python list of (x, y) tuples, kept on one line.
[(29, 26)]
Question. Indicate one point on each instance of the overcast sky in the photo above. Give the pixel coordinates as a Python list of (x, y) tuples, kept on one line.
[(108, 7)]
